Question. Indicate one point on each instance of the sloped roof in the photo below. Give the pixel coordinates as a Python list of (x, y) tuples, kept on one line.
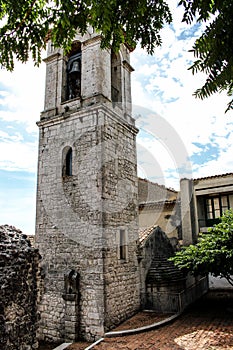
[(161, 271), (144, 234), (213, 177), (164, 272), (158, 203)]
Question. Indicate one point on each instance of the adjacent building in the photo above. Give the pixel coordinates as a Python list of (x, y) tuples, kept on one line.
[(159, 206), (203, 201)]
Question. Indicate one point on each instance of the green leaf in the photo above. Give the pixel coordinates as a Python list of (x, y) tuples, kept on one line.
[(213, 252)]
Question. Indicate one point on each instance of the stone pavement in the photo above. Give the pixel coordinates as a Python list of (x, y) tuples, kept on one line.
[(206, 325)]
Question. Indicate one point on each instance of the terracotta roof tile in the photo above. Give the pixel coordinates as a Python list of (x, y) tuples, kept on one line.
[(213, 176), (144, 234)]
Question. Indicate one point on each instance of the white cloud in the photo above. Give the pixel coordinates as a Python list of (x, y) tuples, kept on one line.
[(155, 160), (223, 164), (139, 94), (168, 91), (17, 155), (21, 104), (169, 129), (23, 98), (4, 136), (18, 209)]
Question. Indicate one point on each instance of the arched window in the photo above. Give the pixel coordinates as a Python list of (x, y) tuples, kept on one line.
[(67, 162)]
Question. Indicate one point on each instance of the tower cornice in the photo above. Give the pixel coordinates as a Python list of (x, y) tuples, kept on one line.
[(52, 57), (85, 112)]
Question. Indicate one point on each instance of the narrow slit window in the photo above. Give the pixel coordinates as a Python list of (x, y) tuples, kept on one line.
[(123, 245), (69, 162)]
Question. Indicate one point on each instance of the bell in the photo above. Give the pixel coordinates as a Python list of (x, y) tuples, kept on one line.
[(75, 67)]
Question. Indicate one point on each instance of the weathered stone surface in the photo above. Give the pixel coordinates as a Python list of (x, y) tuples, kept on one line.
[(20, 281), (80, 214)]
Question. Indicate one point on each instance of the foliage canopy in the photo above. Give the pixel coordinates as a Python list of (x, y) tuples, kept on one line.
[(25, 27), (213, 252), (26, 24), (214, 49)]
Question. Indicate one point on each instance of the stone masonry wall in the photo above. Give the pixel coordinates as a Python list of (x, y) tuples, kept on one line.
[(69, 234), (80, 214), (120, 203), (150, 192), (20, 290), (77, 220)]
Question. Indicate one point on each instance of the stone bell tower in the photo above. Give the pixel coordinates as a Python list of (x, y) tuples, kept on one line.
[(87, 210)]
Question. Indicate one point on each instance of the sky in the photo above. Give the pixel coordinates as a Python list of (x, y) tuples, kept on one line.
[(180, 136)]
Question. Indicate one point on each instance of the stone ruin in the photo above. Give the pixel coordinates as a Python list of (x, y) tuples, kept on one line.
[(20, 280)]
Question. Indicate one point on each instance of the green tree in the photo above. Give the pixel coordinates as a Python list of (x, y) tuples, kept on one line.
[(214, 49), (25, 26), (213, 252)]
